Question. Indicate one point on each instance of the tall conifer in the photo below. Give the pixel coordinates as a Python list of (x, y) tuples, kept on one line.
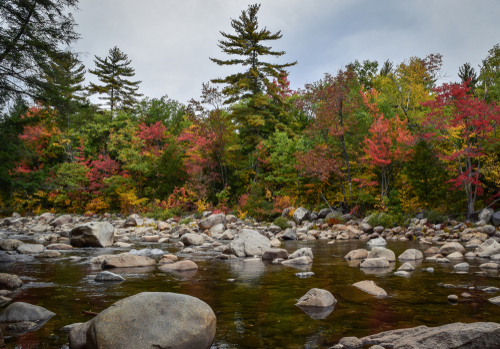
[(62, 87), (260, 112), (112, 71)]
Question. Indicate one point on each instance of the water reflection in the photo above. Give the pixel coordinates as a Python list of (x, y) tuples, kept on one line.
[(317, 313)]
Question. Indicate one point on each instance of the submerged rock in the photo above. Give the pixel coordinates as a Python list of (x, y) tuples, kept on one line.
[(356, 254), (375, 263), (304, 260), (274, 253), (153, 320), (179, 266)]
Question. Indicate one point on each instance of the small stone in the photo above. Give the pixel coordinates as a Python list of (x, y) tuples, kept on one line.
[(406, 267), (461, 266), (402, 273), (453, 298), (466, 295), (430, 270), (304, 275), (491, 289), (108, 276)]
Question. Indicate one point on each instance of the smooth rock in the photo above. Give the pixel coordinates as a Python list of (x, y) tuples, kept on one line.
[(406, 267), (151, 320), (10, 244), (356, 254), (304, 260), (183, 265), (62, 247), (380, 241), (411, 255), (30, 248), (371, 288), (382, 252), (317, 297), (192, 240), (10, 281), (20, 311), (48, 254), (108, 276), (461, 266), (351, 343), (93, 234), (249, 243), (478, 335), (126, 260), (274, 253), (375, 263), (305, 251), (451, 247)]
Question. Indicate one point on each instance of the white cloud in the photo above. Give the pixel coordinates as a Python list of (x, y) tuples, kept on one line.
[(170, 42)]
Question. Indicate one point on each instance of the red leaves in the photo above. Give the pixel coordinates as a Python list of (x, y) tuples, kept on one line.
[(154, 137), (389, 140)]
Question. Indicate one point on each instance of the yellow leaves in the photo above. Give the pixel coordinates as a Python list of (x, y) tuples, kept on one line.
[(242, 215), (202, 205), (491, 169)]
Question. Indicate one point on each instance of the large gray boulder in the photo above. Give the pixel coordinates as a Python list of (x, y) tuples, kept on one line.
[(317, 297), (488, 248), (450, 248), (192, 240), (411, 255), (290, 234), (381, 252), (93, 234), (324, 212), (380, 241), (153, 320), (61, 220), (249, 243), (211, 221), (479, 335), (78, 336), (20, 311), (301, 214), (485, 215), (46, 217)]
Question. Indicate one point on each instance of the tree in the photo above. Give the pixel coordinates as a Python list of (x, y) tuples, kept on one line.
[(489, 76), (31, 32), (464, 124), (112, 71), (169, 111), (386, 145), (466, 73), (256, 115), (63, 78), (331, 104)]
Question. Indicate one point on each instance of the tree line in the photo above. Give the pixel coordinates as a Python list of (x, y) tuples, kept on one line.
[(369, 137)]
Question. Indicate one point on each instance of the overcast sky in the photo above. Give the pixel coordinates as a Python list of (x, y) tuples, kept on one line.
[(170, 41)]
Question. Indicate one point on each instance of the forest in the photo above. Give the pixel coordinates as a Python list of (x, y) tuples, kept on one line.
[(397, 138)]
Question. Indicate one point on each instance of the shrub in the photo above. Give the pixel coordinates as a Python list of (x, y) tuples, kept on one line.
[(435, 217), (185, 221), (387, 220), (281, 222)]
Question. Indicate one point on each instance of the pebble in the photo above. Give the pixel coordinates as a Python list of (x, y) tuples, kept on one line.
[(430, 270), (453, 298), (466, 295)]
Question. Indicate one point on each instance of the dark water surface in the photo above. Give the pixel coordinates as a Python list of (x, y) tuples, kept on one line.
[(258, 309)]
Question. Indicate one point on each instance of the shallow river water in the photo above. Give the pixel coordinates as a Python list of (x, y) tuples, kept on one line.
[(258, 309)]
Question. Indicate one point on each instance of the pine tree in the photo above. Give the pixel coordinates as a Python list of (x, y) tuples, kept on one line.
[(111, 71), (30, 31), (63, 89), (260, 111)]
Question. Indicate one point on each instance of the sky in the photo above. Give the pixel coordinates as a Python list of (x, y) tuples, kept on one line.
[(170, 41)]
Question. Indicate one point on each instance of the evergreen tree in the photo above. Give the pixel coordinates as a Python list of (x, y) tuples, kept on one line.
[(465, 73), (112, 71), (63, 89), (260, 111), (30, 32)]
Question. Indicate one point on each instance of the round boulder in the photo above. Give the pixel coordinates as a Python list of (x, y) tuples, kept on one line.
[(317, 297), (451, 247), (382, 252), (20, 311), (10, 281), (153, 320), (411, 255)]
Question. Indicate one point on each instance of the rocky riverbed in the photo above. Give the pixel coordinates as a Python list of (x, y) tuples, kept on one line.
[(312, 285)]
